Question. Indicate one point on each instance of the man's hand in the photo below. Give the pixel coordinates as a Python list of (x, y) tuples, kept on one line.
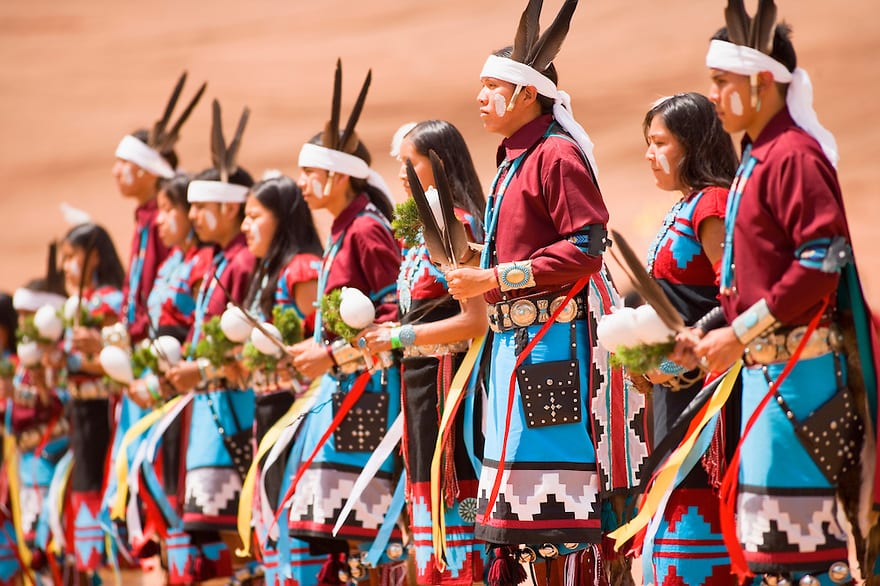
[(184, 376), (311, 359), (719, 349), (467, 282)]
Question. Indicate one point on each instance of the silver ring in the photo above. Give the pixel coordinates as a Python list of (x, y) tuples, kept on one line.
[(704, 362), (362, 342)]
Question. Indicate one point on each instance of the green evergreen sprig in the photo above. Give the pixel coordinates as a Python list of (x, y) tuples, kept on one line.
[(7, 367), (143, 360), (406, 223), (643, 358), (331, 317), (213, 344), (28, 332)]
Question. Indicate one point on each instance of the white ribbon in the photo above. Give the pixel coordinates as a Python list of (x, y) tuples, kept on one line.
[(799, 98), (30, 300), (521, 74), (319, 157), (380, 454), (216, 191), (133, 150)]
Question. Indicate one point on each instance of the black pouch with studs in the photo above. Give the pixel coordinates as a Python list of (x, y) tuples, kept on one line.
[(551, 391), (832, 434), (364, 426), (239, 445)]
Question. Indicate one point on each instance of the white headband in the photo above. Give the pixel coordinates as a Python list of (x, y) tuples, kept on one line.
[(319, 157), (741, 60), (216, 191), (521, 74), (135, 151), (30, 300)]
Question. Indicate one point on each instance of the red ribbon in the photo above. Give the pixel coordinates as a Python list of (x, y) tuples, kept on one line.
[(730, 483), (360, 384), (496, 486)]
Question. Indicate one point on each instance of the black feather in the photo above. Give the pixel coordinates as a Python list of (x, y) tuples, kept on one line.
[(455, 236), (430, 229), (330, 138), (527, 33), (235, 144), (158, 134), (218, 143), (545, 50), (348, 142), (54, 277), (645, 285), (90, 249), (738, 22), (170, 139), (761, 37)]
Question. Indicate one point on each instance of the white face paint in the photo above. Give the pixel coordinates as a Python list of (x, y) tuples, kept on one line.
[(664, 163), (73, 269), (317, 188), (127, 177), (500, 105), (172, 224), (255, 234), (210, 220), (736, 104)]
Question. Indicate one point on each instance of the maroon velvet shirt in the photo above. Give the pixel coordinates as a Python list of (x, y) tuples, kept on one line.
[(792, 198), (236, 276), (154, 254), (368, 257), (551, 197)]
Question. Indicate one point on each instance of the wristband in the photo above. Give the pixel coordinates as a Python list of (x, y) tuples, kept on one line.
[(395, 339), (152, 384), (753, 322), (406, 336), (515, 275)]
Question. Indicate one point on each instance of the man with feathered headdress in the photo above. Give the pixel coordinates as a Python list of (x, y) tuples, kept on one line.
[(791, 297), (544, 475)]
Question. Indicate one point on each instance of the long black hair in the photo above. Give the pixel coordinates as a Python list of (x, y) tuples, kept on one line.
[(295, 234), (709, 155), (445, 139), (378, 199), (109, 271), (8, 321)]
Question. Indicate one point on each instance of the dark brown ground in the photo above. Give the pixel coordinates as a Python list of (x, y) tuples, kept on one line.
[(76, 76)]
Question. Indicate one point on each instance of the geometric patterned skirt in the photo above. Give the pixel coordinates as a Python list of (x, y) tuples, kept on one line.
[(549, 491), (786, 508)]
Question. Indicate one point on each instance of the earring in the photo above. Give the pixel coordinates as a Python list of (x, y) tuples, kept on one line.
[(758, 105), (140, 173)]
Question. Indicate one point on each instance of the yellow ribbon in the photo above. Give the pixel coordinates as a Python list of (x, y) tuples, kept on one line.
[(55, 544), (11, 458), (669, 470), (456, 390), (139, 428), (246, 499)]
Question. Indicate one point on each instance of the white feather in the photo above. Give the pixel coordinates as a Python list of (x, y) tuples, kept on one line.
[(74, 216)]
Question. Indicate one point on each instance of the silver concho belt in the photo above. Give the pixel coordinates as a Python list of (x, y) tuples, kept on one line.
[(527, 311)]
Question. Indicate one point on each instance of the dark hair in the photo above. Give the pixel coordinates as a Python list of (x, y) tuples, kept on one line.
[(377, 197), (783, 49), (240, 177), (143, 135), (109, 270), (295, 234), (709, 155), (8, 319), (445, 139), (550, 73), (175, 188)]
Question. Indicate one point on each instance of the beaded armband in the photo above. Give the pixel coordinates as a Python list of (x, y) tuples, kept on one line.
[(515, 275), (753, 322), (343, 352)]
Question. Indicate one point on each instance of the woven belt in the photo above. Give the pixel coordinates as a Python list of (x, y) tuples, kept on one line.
[(779, 345), (89, 390), (435, 349), (526, 311)]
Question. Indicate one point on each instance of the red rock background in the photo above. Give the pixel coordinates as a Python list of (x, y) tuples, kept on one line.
[(76, 76)]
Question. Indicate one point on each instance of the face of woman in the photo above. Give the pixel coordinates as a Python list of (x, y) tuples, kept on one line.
[(172, 221), (72, 260), (259, 227), (421, 164), (665, 154)]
